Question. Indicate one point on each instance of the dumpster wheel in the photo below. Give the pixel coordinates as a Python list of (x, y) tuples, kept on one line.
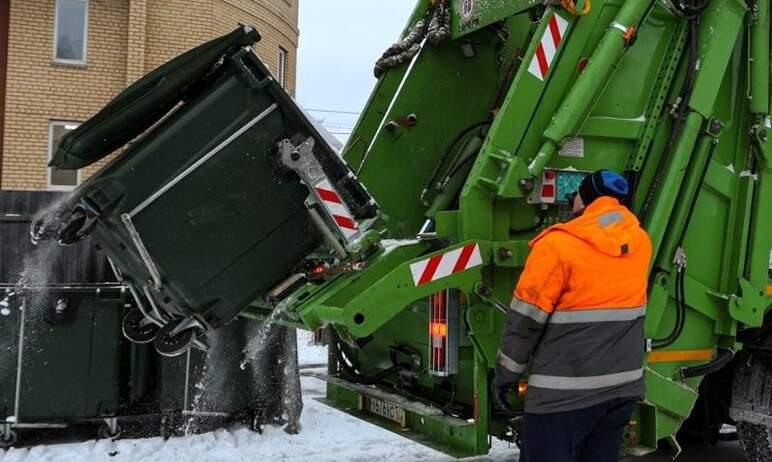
[(137, 328), (171, 341), (76, 227), (8, 439)]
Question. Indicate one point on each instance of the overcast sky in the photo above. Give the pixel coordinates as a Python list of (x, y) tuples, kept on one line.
[(339, 43)]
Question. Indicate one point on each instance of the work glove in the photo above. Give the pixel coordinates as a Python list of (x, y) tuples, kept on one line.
[(503, 383)]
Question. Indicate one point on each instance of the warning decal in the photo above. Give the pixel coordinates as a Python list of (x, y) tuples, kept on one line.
[(548, 47)]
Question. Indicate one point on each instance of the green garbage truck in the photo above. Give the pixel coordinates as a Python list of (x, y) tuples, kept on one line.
[(485, 117)]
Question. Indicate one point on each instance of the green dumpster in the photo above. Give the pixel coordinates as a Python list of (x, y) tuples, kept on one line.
[(62, 357), (61, 347), (64, 360), (199, 215)]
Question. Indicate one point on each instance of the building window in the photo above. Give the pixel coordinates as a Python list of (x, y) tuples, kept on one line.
[(281, 67), (59, 179), (71, 31)]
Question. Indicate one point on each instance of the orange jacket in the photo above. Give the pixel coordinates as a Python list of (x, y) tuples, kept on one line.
[(577, 313)]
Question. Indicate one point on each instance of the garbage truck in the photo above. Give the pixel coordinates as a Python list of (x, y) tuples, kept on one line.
[(225, 201)]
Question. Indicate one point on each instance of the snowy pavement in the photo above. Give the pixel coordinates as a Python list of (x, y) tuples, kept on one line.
[(326, 435)]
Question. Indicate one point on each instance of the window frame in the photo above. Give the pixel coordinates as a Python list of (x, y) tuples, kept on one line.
[(281, 66), (73, 62), (52, 187)]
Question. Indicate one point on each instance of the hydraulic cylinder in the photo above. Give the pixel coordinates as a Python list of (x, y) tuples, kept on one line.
[(592, 81)]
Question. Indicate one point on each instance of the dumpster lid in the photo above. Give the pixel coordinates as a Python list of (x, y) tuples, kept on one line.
[(145, 102)]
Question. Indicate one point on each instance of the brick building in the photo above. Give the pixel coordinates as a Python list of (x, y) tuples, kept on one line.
[(62, 60)]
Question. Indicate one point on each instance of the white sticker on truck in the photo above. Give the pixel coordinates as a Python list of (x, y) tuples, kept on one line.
[(574, 147)]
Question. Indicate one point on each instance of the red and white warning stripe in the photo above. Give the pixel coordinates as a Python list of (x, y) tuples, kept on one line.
[(548, 47), (440, 266), (337, 208)]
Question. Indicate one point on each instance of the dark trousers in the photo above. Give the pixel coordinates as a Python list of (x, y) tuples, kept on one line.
[(593, 434)]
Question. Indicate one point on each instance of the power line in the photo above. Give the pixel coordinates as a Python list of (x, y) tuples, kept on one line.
[(332, 111), (333, 122), (336, 124)]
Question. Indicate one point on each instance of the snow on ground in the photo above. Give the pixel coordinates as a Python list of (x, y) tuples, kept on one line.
[(326, 435)]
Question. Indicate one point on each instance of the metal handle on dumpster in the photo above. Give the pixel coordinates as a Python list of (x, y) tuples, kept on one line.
[(302, 161), (143, 253)]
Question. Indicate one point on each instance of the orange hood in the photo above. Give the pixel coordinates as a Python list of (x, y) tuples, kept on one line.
[(606, 225)]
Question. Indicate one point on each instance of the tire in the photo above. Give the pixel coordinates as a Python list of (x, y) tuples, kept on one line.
[(7, 441), (752, 405), (76, 227), (169, 345), (134, 330), (756, 441)]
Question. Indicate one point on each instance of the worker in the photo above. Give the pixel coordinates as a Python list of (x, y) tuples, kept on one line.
[(576, 324)]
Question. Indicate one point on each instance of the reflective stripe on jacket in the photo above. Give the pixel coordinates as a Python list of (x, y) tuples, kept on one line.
[(576, 319)]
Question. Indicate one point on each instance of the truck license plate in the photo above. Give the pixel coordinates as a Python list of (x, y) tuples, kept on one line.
[(385, 409)]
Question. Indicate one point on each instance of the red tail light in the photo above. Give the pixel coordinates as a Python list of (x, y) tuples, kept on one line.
[(548, 186), (443, 333), (438, 329)]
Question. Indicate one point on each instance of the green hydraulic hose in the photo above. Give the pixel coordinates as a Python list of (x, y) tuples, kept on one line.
[(695, 179)]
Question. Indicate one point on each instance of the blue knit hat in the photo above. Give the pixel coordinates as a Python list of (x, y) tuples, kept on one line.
[(603, 183)]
